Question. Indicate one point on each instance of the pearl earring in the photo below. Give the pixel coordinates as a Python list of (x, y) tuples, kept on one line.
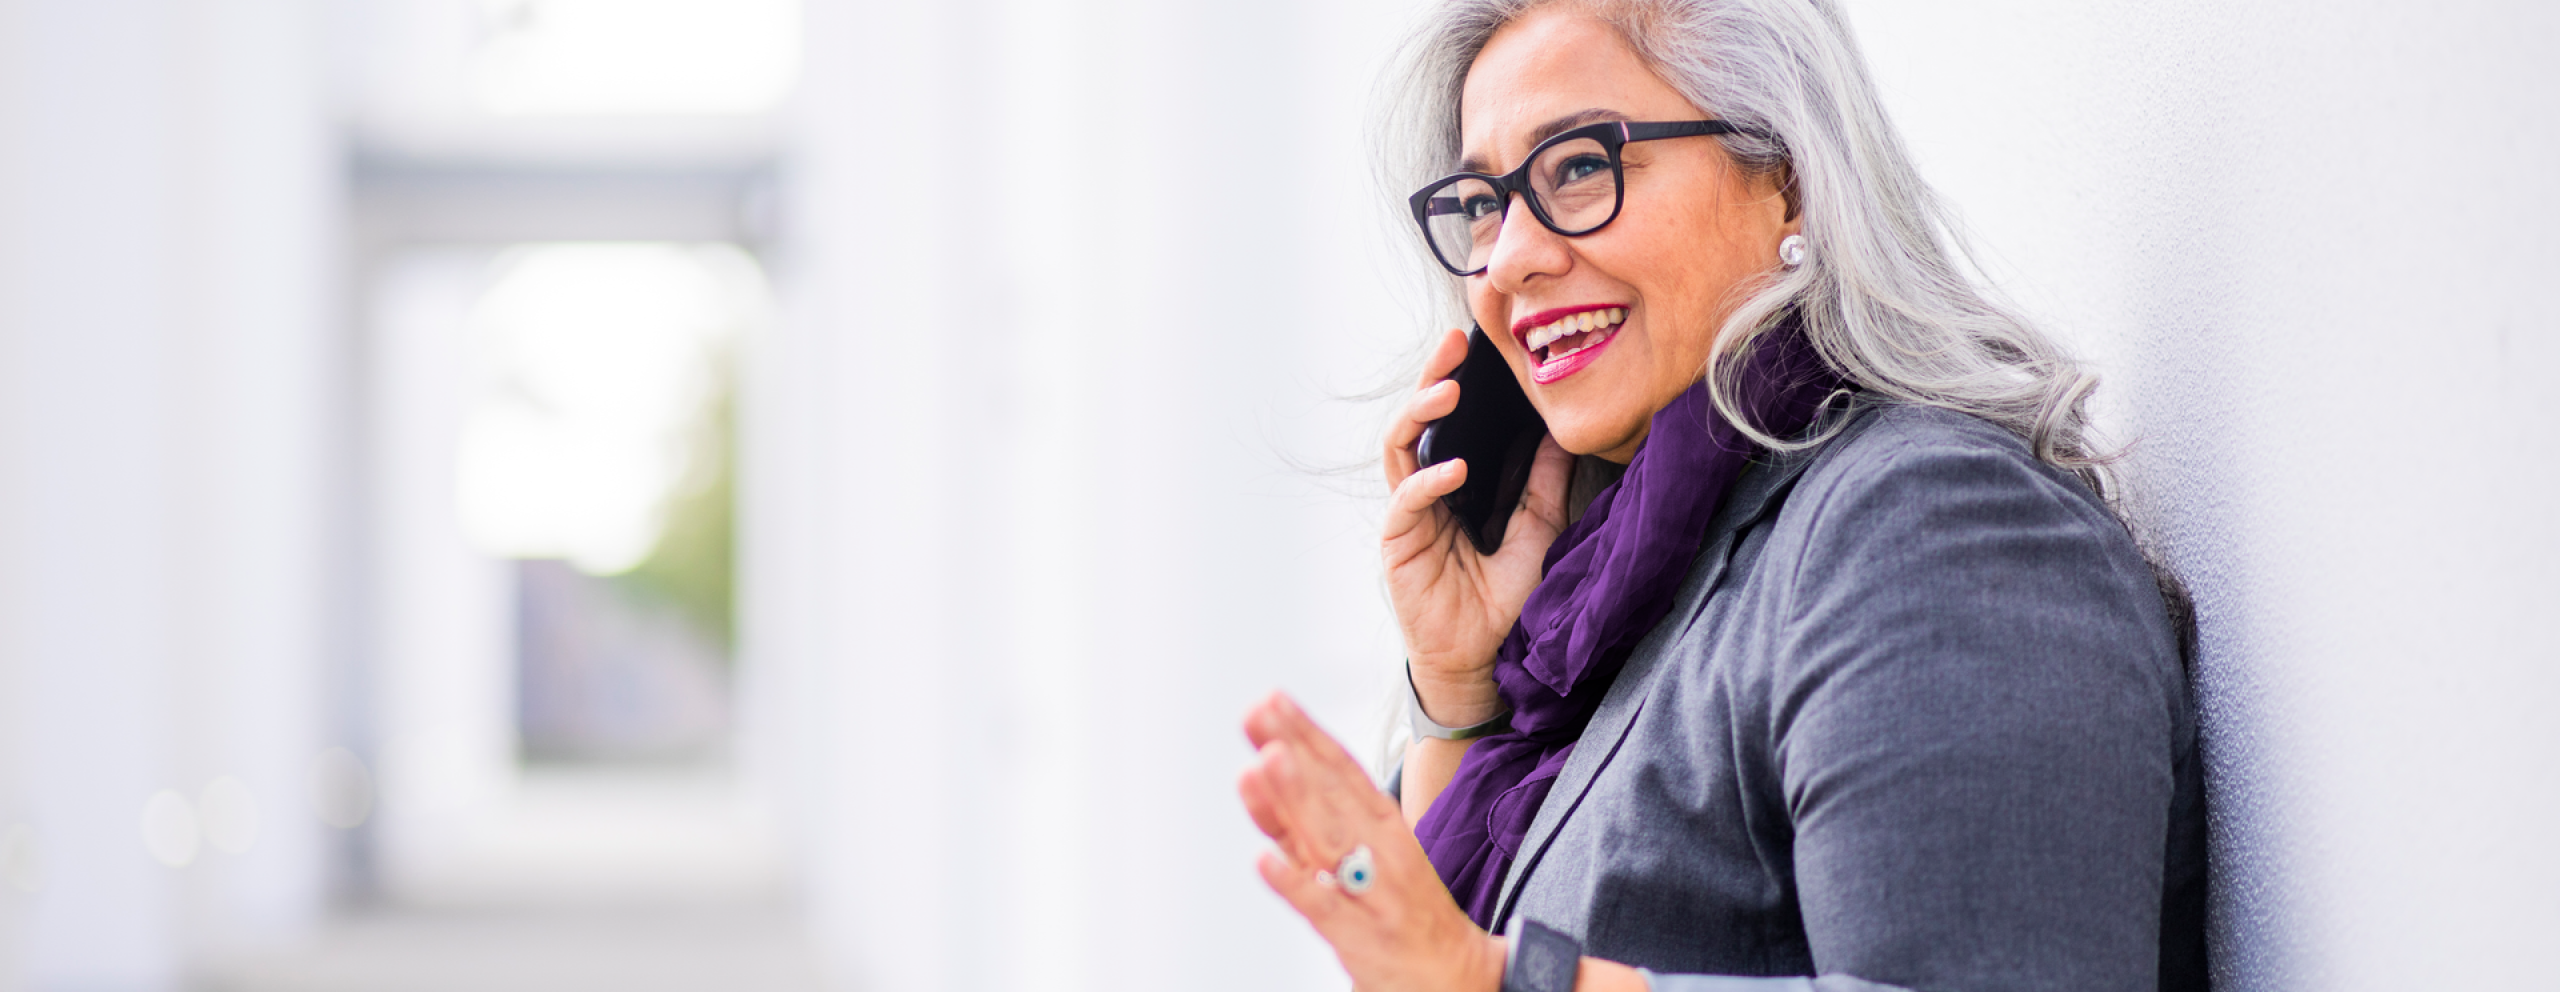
[(1792, 250)]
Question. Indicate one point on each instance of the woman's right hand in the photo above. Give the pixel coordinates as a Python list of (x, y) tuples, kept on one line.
[(1454, 605)]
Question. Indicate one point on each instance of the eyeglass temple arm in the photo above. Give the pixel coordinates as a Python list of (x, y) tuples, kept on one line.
[(1651, 130)]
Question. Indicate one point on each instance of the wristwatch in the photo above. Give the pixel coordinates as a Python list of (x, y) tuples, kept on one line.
[(1541, 959), (1424, 727)]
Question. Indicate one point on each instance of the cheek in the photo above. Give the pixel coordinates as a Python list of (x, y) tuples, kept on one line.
[(1486, 307), (1679, 302), (1698, 279)]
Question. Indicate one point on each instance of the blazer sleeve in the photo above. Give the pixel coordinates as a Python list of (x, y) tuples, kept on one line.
[(1972, 714)]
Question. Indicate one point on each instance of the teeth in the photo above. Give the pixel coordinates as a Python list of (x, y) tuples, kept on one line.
[(1580, 323)]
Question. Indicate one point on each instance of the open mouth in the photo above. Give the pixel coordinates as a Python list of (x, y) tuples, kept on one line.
[(1563, 341)]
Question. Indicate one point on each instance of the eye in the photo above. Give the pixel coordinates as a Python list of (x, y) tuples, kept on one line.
[(1480, 206), (1580, 167)]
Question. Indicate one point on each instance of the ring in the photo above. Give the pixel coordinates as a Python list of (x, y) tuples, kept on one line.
[(1355, 872)]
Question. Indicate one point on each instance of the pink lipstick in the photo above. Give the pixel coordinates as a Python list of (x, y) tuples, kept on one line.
[(1566, 340)]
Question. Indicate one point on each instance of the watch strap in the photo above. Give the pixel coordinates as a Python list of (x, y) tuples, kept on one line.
[(1424, 726), (1541, 959)]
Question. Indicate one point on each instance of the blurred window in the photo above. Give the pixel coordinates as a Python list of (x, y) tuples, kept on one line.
[(601, 372), (594, 452)]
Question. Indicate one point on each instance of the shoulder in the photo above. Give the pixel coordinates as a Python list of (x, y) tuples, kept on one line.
[(1956, 689), (1932, 524), (1907, 460)]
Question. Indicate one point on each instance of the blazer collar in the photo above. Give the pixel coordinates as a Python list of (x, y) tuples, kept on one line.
[(1757, 493)]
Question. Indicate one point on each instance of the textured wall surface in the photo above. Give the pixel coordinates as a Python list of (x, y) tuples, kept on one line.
[(2310, 245)]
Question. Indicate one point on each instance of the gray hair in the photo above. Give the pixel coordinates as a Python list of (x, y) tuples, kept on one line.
[(1882, 296)]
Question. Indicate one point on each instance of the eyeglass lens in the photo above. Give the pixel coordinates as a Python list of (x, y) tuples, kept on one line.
[(1572, 181)]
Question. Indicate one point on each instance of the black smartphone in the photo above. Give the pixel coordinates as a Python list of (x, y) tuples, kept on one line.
[(1497, 432)]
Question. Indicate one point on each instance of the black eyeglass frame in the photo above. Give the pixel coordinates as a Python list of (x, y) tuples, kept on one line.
[(1612, 136)]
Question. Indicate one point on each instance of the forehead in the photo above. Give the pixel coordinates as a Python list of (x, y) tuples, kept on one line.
[(1549, 65)]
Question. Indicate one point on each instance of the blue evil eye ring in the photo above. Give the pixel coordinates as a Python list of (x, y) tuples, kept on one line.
[(1356, 872)]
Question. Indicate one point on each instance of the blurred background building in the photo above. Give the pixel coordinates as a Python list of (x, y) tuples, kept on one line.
[(761, 494)]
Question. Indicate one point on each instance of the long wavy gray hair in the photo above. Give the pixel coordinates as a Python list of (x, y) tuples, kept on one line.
[(1882, 295)]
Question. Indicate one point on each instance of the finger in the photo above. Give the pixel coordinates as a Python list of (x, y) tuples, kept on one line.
[(1259, 803), (1261, 723), (1417, 525), (1428, 404), (1323, 764), (1406, 428), (1309, 831), (1312, 899), (1321, 748), (1279, 717), (1336, 803), (1412, 504), (1444, 359), (1274, 811), (1539, 518)]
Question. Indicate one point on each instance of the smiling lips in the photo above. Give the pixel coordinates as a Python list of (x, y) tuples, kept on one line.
[(1566, 340)]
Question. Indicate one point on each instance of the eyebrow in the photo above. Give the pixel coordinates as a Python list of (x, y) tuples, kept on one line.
[(1547, 130)]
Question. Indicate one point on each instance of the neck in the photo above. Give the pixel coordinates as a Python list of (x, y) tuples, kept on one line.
[(1591, 473)]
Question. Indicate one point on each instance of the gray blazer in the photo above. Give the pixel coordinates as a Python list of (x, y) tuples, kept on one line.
[(1918, 719)]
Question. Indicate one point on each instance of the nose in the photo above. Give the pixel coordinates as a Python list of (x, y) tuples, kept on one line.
[(1524, 249)]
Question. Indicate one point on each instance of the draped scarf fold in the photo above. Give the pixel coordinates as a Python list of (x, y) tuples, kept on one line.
[(1610, 577)]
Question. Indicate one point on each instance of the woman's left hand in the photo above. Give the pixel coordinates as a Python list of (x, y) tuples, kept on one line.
[(1404, 932)]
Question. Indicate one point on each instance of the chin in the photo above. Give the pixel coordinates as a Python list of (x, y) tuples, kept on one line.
[(1589, 414), (1586, 437)]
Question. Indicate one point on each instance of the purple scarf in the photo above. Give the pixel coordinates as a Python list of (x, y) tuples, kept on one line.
[(1610, 577)]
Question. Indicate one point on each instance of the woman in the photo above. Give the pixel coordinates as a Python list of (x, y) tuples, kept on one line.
[(1852, 679)]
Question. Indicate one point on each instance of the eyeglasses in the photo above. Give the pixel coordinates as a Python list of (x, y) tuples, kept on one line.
[(1574, 183)]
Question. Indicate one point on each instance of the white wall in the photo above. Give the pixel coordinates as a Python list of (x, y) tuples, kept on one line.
[(2311, 244), (1066, 283), (164, 279), (442, 704)]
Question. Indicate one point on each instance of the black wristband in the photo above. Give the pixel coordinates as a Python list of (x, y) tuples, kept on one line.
[(1542, 959), (1425, 726)]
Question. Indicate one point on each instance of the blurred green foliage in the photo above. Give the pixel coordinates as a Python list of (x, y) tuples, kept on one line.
[(692, 568)]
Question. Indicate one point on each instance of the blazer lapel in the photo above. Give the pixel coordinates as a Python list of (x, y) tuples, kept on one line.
[(1752, 497)]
